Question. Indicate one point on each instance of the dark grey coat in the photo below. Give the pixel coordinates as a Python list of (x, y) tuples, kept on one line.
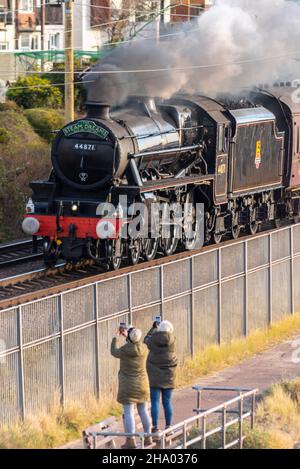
[(162, 359)]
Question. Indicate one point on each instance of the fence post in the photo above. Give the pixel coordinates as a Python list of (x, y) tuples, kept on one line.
[(192, 307), (220, 295), (184, 436), (203, 441), (270, 319), (224, 420), (246, 289), (241, 412), (61, 350), (253, 403), (161, 281), (292, 269), (129, 289), (97, 350), (21, 388)]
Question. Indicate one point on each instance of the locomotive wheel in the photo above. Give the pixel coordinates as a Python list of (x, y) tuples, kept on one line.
[(296, 219), (134, 251), (191, 224), (150, 248), (278, 223), (235, 229), (253, 227), (51, 253), (169, 245), (217, 238), (115, 250)]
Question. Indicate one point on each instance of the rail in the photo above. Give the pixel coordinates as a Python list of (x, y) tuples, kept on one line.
[(195, 429), (20, 289), (20, 251)]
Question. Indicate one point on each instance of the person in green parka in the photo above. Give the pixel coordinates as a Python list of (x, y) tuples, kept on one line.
[(161, 368), (133, 381)]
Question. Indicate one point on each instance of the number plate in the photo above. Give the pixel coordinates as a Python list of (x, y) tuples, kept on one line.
[(85, 147)]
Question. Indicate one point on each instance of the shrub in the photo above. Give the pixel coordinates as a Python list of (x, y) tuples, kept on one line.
[(24, 159), (34, 91), (4, 135), (45, 121)]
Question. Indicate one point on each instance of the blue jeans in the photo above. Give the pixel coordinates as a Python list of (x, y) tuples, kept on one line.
[(129, 421), (166, 402)]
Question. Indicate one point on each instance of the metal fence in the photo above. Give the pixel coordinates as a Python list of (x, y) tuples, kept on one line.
[(60, 345), (194, 431)]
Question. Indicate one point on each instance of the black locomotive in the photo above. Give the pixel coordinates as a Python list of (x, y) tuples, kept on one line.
[(238, 157)]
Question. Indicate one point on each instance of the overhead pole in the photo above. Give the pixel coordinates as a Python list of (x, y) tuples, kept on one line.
[(43, 33), (69, 61)]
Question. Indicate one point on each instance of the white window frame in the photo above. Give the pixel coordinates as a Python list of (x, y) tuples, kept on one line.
[(30, 39), (26, 6)]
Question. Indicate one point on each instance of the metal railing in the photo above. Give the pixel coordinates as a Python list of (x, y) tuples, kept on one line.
[(196, 429)]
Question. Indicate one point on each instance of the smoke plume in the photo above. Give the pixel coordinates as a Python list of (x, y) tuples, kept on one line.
[(235, 44)]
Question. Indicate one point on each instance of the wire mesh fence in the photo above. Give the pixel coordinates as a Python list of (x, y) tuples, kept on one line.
[(61, 344)]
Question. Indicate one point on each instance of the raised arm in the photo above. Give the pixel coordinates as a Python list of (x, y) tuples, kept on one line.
[(149, 335), (115, 350)]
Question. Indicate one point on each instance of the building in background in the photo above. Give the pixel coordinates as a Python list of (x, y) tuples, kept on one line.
[(189, 9), (7, 25), (28, 31)]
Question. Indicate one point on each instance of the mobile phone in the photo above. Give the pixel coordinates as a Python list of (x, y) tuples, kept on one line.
[(122, 326), (157, 319)]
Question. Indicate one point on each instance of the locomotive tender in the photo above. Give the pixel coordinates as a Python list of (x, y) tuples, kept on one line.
[(240, 158)]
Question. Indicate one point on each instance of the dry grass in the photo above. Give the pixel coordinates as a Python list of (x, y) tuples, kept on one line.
[(278, 415), (57, 426), (217, 357), (277, 421)]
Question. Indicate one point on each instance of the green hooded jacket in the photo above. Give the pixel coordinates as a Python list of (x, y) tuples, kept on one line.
[(133, 380), (162, 359)]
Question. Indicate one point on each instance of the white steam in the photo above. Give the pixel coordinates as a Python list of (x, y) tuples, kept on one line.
[(235, 44)]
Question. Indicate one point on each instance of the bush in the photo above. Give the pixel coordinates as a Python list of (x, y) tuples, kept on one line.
[(23, 159), (4, 135), (45, 121), (34, 91)]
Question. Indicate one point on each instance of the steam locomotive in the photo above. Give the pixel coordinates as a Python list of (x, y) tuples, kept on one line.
[(238, 157)]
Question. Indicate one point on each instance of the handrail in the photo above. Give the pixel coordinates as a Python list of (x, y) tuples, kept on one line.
[(200, 417)]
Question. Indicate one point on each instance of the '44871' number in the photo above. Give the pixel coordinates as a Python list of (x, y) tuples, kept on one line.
[(85, 146)]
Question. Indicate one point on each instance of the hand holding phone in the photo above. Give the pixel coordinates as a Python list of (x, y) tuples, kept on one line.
[(157, 321)]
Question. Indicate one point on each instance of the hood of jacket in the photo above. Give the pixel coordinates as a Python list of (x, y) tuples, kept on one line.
[(162, 339)]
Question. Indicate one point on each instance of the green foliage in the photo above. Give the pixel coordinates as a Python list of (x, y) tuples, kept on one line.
[(34, 91), (24, 158), (45, 121), (4, 135)]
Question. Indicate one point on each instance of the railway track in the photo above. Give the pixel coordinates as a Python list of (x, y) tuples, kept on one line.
[(17, 252), (42, 282)]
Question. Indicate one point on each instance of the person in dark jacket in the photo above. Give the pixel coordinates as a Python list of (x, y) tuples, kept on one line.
[(133, 381), (161, 369)]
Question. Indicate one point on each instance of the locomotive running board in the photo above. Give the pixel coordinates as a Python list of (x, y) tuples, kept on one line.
[(168, 183)]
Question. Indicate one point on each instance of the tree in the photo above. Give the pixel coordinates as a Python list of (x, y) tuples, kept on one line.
[(33, 91), (134, 16)]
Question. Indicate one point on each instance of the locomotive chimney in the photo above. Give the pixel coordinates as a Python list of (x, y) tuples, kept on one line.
[(150, 104), (98, 110)]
